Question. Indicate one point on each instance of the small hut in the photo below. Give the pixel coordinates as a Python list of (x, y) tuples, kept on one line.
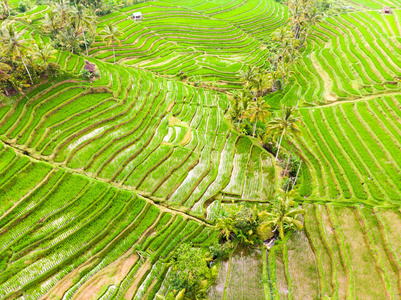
[(387, 10), (90, 67), (137, 16)]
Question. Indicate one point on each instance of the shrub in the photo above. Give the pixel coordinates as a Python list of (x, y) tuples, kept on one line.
[(190, 270), (86, 73), (53, 69), (23, 6), (220, 251)]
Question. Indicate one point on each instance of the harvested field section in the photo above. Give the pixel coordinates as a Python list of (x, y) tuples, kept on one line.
[(348, 249), (240, 278)]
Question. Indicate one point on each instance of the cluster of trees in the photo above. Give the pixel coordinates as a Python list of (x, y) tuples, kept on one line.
[(23, 61), (194, 269), (249, 111), (249, 226), (288, 40), (191, 273), (72, 27), (251, 114)]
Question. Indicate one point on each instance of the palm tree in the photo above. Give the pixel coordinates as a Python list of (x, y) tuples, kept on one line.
[(248, 77), (51, 23), (283, 216), (44, 52), (225, 224), (284, 125), (258, 110), (69, 38), (235, 115), (14, 44), (282, 35), (237, 110), (111, 33), (63, 11), (3, 9), (83, 19), (4, 67)]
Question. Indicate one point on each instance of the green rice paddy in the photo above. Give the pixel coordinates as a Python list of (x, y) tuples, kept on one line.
[(101, 181)]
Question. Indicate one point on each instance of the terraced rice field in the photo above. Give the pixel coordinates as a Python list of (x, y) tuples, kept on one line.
[(344, 253), (373, 4), (350, 56), (160, 138), (90, 232), (100, 182), (214, 39), (353, 151), (240, 277)]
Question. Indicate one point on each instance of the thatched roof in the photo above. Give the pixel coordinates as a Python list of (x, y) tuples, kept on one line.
[(90, 67)]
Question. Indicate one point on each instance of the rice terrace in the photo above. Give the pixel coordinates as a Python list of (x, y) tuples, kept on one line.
[(200, 149)]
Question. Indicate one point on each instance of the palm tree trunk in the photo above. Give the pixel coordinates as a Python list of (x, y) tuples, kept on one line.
[(254, 128), (86, 47), (281, 230), (288, 161), (30, 77), (299, 168), (12, 62), (288, 185), (114, 53), (279, 144)]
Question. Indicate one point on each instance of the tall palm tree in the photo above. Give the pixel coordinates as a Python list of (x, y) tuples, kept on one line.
[(283, 216), (312, 16), (248, 76), (281, 34), (262, 83), (51, 23), (237, 110), (44, 52), (235, 114), (63, 11), (258, 110), (69, 38), (111, 33), (83, 18), (14, 44), (285, 125)]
